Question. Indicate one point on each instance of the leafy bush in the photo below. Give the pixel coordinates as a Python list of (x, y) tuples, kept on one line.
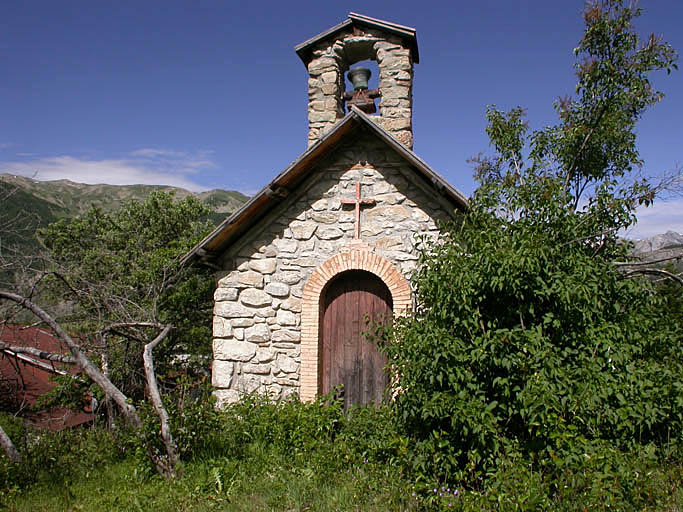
[(124, 267), (605, 478), (318, 429), (196, 426), (527, 343), (54, 456)]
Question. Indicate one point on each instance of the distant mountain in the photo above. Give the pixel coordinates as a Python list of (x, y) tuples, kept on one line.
[(47, 201), (661, 247), (668, 240)]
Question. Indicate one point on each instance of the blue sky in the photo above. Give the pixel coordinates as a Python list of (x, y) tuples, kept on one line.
[(211, 94)]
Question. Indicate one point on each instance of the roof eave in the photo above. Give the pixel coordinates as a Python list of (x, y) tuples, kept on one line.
[(272, 189), (279, 188)]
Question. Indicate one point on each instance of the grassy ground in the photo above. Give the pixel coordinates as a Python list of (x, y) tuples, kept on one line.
[(219, 484), (227, 485), (268, 481), (294, 457)]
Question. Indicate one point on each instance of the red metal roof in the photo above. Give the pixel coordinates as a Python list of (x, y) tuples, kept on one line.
[(25, 378)]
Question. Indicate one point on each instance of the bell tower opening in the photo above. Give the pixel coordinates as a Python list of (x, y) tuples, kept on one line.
[(364, 91), (330, 55)]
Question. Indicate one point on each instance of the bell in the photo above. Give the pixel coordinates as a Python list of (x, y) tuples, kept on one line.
[(359, 78), (361, 97)]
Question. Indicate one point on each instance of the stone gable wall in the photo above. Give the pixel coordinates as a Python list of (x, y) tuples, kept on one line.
[(257, 313)]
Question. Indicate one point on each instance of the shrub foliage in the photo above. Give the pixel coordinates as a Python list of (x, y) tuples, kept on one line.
[(527, 341)]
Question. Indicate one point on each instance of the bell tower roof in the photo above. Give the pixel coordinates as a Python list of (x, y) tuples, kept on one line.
[(407, 35)]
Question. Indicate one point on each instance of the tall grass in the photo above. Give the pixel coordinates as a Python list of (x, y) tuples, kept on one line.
[(290, 456)]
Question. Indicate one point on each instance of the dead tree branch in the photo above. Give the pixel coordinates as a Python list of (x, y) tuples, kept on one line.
[(80, 359), (9, 447), (654, 272), (650, 262), (166, 466), (48, 356)]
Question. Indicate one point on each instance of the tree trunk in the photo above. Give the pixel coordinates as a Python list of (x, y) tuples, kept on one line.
[(9, 447), (165, 466)]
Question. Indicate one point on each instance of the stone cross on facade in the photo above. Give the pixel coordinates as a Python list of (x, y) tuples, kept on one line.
[(358, 202)]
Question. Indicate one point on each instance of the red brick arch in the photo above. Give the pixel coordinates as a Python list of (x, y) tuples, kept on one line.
[(354, 259)]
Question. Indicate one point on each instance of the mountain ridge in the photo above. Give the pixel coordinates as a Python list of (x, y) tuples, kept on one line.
[(49, 201), (662, 250), (668, 240)]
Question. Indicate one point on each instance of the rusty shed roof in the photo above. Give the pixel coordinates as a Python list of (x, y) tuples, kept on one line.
[(287, 181), (24, 378), (407, 34)]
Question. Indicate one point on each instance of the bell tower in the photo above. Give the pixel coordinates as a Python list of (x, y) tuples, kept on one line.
[(329, 56)]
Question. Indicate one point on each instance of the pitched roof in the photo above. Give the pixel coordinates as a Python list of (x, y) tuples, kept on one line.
[(286, 182), (24, 378), (407, 34)]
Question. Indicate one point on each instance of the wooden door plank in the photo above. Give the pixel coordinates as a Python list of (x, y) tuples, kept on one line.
[(348, 357)]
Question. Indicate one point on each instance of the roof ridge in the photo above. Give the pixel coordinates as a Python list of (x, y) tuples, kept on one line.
[(279, 187)]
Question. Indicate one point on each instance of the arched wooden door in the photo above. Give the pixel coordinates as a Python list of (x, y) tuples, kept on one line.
[(347, 357)]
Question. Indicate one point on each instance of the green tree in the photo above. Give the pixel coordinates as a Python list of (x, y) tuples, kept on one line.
[(527, 340), (122, 268), (129, 293)]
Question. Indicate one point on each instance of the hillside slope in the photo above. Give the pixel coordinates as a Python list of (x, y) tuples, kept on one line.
[(47, 201)]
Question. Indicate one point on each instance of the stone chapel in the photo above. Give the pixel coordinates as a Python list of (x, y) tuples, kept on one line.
[(332, 240)]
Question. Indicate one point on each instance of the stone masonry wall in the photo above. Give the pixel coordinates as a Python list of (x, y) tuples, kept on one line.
[(257, 314), (326, 82)]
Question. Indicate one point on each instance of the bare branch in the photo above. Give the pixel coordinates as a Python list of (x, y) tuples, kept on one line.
[(654, 272), (669, 184), (165, 467), (9, 447), (640, 263), (80, 359), (48, 356), (122, 325)]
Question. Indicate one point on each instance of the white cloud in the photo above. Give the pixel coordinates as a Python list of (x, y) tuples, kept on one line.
[(661, 217), (154, 152), (147, 166)]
